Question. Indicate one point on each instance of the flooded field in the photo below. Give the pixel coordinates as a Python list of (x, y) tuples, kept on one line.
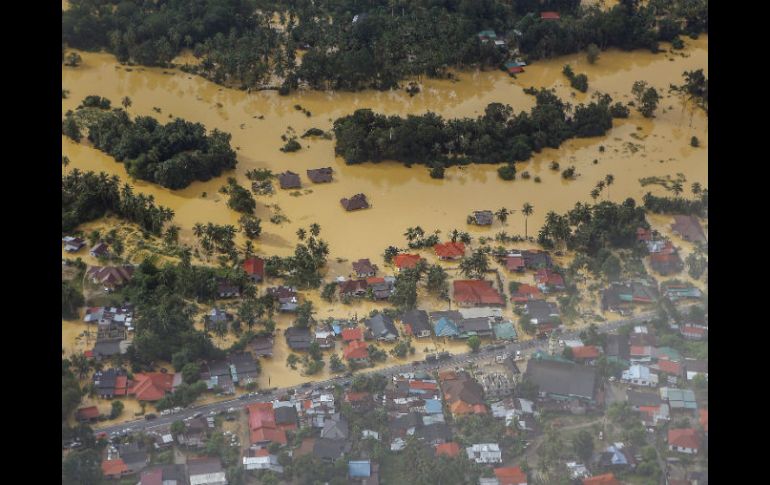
[(401, 197)]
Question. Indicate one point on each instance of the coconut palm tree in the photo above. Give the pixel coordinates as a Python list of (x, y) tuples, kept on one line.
[(301, 234), (696, 187), (527, 210), (677, 188), (410, 234), (502, 214), (454, 235), (609, 179), (65, 160), (595, 194), (249, 249), (315, 229), (126, 102)]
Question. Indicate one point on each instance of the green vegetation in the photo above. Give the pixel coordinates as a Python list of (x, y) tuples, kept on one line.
[(87, 196), (352, 46), (302, 269), (678, 205), (646, 98), (579, 81), (239, 198), (497, 136), (695, 89), (474, 343), (172, 155), (588, 228)]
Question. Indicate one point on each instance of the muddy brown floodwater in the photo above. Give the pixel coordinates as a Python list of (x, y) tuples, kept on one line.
[(401, 197)]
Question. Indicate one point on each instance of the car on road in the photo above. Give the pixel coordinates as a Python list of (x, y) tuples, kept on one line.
[(518, 355), (231, 410)]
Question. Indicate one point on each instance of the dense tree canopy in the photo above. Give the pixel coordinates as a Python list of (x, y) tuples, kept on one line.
[(352, 44), (86, 196), (172, 155), (497, 136)]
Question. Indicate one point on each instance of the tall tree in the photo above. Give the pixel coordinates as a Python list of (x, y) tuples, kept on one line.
[(527, 210)]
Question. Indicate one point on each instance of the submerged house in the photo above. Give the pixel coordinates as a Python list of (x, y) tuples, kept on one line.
[(382, 327), (356, 202), (481, 218), (286, 297), (469, 293), (289, 180), (320, 175), (364, 268), (449, 251), (688, 228)]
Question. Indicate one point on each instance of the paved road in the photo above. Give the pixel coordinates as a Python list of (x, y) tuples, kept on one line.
[(261, 396)]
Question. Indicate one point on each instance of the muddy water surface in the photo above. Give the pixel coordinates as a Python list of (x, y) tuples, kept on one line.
[(401, 197)]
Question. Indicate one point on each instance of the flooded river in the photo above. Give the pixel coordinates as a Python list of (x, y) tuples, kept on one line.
[(401, 197)]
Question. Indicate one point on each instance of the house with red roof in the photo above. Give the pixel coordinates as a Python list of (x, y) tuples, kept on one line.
[(450, 449), (114, 469), (255, 268), (151, 386), (669, 368), (548, 280), (683, 440), (406, 261), (549, 16), (511, 475), (585, 354), (525, 293), (359, 400), (449, 251), (88, 414), (263, 429), (351, 334), (357, 351), (515, 264), (462, 393), (666, 264), (606, 479), (470, 293)]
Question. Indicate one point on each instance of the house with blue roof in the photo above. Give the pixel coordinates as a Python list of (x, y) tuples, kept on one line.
[(446, 328), (364, 472), (433, 406)]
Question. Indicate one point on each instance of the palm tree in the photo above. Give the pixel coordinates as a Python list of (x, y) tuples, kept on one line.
[(696, 187), (677, 188), (609, 179), (126, 102), (527, 210), (502, 214), (198, 229), (454, 235), (595, 194), (301, 234), (249, 250), (315, 229), (65, 160), (410, 234)]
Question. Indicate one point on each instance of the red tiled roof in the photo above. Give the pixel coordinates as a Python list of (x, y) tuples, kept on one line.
[(254, 266), (449, 249), (512, 475), (649, 409), (669, 367), (114, 468), (514, 263), (704, 419), (350, 334), (684, 438), (121, 385), (585, 352), (476, 292), (89, 353), (548, 277), (373, 280), (262, 424), (91, 412), (427, 386), (606, 479), (403, 261), (262, 452), (640, 351), (526, 293), (356, 349), (451, 449), (550, 15), (459, 408), (151, 386)]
